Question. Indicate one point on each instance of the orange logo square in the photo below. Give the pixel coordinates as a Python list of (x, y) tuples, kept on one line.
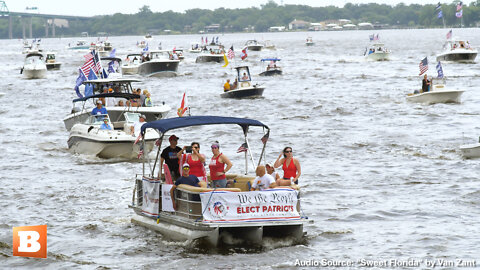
[(30, 241)]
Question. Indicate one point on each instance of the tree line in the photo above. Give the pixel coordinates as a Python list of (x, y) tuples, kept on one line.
[(259, 19)]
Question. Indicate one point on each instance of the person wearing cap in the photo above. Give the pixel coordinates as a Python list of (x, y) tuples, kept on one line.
[(263, 180), (137, 127), (169, 156), (271, 171), (99, 110), (105, 124), (186, 179), (217, 167)]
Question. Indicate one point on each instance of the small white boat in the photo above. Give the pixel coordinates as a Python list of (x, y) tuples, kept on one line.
[(457, 50), (148, 37), (142, 44), (471, 150), (272, 68), (79, 45), (89, 138), (438, 94), (159, 63), (131, 64), (268, 44), (211, 53), (309, 41), (34, 66), (245, 88), (253, 45), (377, 52), (51, 61), (195, 47), (212, 215)]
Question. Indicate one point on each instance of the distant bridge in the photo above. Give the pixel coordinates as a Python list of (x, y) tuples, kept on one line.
[(26, 19)]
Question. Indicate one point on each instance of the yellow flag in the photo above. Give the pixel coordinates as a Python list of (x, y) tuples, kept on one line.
[(226, 60)]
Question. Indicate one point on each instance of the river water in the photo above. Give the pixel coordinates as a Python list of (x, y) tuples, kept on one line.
[(383, 179)]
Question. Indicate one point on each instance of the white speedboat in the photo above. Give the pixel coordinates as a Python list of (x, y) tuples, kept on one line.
[(309, 41), (195, 47), (158, 63), (268, 44), (211, 53), (244, 87), (79, 45), (148, 37), (271, 68), (131, 64), (34, 66), (377, 52), (89, 138), (253, 45), (112, 66), (471, 150), (51, 61), (142, 44), (438, 94), (215, 215), (457, 50), (122, 92)]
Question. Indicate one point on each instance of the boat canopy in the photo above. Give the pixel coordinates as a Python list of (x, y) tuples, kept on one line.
[(34, 54), (270, 59), (111, 59), (107, 80), (103, 95), (164, 125)]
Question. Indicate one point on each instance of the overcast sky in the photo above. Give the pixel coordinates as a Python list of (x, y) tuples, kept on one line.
[(103, 7)]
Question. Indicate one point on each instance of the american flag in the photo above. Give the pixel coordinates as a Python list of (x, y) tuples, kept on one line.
[(264, 139), (242, 148), (89, 64), (459, 6), (231, 53), (449, 34), (423, 66), (98, 66)]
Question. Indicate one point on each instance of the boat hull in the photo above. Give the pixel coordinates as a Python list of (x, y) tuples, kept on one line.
[(309, 43), (432, 97), (271, 72), (129, 70), (250, 92), (53, 66), (465, 57), (84, 145), (205, 58), (471, 150), (159, 68), (379, 56), (34, 73), (255, 48)]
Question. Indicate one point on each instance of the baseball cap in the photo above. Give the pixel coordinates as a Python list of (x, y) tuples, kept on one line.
[(99, 102), (269, 164), (143, 116), (185, 165), (173, 137)]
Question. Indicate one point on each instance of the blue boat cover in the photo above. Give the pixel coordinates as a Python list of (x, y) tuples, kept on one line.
[(270, 59), (164, 125)]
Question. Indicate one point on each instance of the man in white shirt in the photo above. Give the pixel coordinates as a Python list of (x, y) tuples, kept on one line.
[(262, 181), (138, 126)]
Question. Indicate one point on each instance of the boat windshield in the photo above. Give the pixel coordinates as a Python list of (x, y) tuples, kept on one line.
[(97, 119), (131, 117)]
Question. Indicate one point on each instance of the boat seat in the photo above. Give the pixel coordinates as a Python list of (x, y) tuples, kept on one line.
[(127, 128), (245, 84), (119, 125), (200, 189)]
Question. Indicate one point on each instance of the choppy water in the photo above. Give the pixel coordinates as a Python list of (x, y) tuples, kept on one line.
[(382, 178)]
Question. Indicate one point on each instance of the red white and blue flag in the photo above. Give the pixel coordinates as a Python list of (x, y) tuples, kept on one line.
[(449, 34), (264, 139), (243, 55), (231, 53), (423, 66), (459, 14), (459, 6), (243, 148)]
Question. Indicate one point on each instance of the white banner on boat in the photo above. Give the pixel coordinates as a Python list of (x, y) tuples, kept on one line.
[(167, 204), (151, 197), (267, 205)]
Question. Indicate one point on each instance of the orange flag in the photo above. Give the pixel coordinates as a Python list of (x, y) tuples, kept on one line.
[(183, 106)]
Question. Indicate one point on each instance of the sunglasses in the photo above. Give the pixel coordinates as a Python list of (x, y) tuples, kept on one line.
[(186, 168), (196, 147), (290, 151), (214, 147)]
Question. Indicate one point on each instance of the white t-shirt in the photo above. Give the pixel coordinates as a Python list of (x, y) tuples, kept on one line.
[(263, 182), (137, 128)]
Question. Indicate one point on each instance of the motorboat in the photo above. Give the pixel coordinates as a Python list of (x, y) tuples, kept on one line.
[(122, 91), (112, 66), (271, 68), (211, 53), (179, 53), (51, 61), (33, 47), (148, 36), (309, 41), (253, 45), (131, 64), (160, 63), (268, 44), (34, 66), (215, 216), (142, 44), (88, 138), (195, 47), (457, 50), (471, 150), (438, 94), (79, 45), (377, 52), (244, 87), (103, 48)]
